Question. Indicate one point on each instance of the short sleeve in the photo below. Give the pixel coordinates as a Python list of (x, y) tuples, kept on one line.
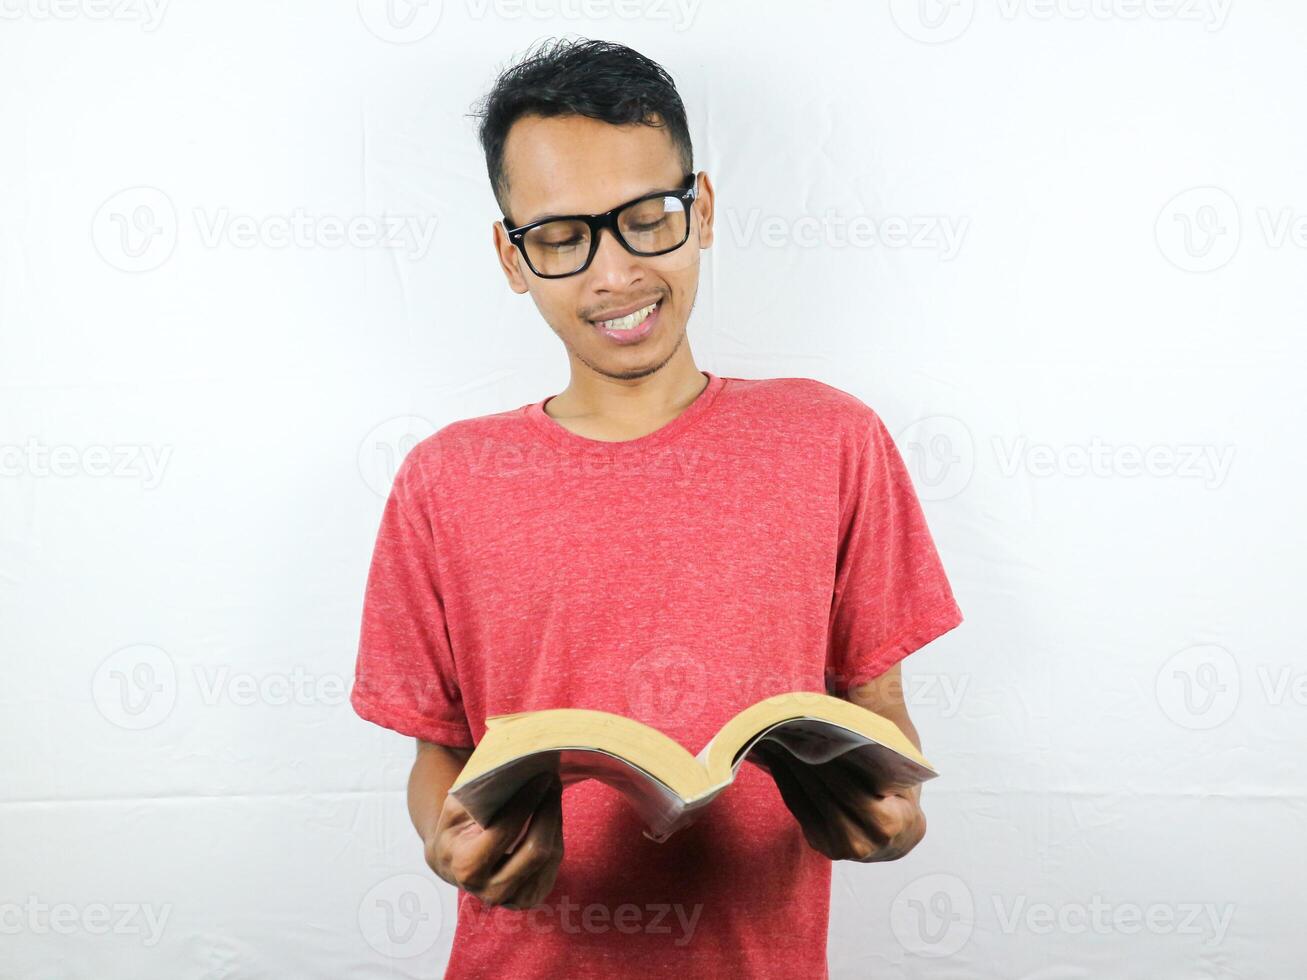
[(891, 595), (405, 677)]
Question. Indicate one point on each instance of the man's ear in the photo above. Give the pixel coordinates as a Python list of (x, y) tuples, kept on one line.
[(703, 208), (509, 258)]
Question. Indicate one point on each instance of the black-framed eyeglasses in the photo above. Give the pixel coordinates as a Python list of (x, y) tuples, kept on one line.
[(563, 245)]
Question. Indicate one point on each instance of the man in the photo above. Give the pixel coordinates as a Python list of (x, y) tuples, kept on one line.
[(655, 541)]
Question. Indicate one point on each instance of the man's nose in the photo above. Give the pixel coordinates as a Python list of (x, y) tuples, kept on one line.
[(612, 262)]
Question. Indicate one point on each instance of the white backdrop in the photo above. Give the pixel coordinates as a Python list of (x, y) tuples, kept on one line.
[(1059, 246)]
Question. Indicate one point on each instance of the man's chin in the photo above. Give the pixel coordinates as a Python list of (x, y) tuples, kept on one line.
[(634, 365)]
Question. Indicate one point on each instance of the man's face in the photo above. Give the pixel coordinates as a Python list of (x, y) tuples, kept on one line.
[(577, 165)]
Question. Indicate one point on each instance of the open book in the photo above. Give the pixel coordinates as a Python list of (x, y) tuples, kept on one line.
[(665, 784)]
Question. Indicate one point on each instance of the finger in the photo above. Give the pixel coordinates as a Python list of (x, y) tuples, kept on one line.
[(903, 821), (866, 778), (854, 834), (535, 889), (850, 783), (540, 848), (893, 821), (865, 768), (529, 890), (539, 843), (829, 789), (878, 780), (521, 894), (526, 825), (485, 849), (797, 800)]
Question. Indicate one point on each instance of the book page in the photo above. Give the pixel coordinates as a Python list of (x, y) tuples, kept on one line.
[(702, 757), (657, 805), (815, 742)]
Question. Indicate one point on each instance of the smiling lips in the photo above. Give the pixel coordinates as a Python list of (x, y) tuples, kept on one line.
[(633, 327), (628, 322)]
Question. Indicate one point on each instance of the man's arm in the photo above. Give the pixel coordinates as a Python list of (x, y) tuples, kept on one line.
[(884, 696), (434, 771)]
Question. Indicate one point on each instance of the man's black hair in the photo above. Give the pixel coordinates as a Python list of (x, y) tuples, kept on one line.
[(599, 79)]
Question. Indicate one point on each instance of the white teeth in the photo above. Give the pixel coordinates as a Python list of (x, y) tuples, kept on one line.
[(628, 322)]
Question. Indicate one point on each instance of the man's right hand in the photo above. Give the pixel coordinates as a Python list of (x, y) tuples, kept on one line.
[(477, 859)]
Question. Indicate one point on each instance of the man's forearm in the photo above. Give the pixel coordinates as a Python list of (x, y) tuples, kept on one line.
[(434, 771), (884, 695)]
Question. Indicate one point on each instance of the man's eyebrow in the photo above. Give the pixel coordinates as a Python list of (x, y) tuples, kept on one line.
[(652, 189)]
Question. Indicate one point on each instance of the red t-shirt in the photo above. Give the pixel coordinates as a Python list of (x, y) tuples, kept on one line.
[(767, 539)]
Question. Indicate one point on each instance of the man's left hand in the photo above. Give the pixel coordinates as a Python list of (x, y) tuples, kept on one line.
[(844, 814)]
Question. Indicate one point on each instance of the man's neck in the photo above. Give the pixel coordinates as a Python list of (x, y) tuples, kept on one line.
[(617, 410)]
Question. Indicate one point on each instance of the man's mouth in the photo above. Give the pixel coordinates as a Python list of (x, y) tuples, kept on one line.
[(628, 322), (633, 326)]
